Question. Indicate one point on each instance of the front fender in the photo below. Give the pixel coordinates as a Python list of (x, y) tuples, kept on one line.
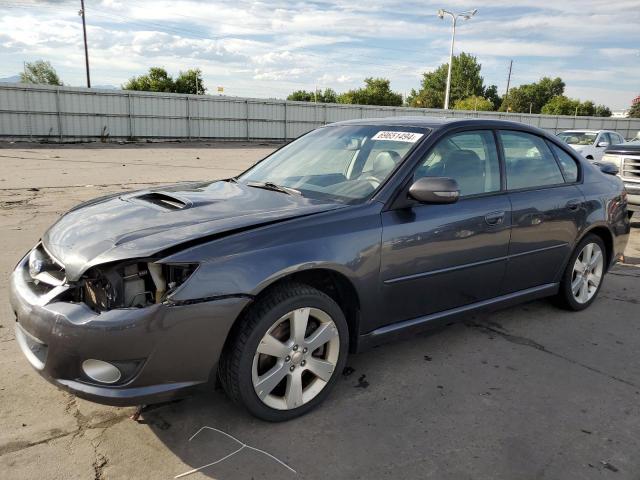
[(346, 241)]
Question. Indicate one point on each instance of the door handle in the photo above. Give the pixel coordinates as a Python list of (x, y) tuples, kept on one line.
[(494, 218), (573, 205)]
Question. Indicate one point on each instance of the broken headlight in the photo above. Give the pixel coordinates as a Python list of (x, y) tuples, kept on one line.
[(132, 284)]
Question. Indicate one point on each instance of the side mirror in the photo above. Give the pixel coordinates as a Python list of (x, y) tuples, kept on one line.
[(435, 190), (608, 168), (603, 144)]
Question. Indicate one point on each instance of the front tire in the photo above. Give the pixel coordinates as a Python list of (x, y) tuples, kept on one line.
[(583, 276), (285, 355)]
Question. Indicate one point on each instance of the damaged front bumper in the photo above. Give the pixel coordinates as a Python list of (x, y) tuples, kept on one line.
[(161, 350)]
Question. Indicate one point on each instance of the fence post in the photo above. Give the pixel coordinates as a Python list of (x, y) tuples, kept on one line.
[(285, 120), (28, 109), (188, 118), (129, 107), (58, 111), (247, 119), (324, 114)]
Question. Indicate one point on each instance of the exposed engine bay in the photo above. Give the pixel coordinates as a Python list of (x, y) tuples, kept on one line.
[(129, 284), (132, 285)]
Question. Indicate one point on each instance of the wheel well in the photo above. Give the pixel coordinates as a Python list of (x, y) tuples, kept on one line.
[(605, 236), (336, 286)]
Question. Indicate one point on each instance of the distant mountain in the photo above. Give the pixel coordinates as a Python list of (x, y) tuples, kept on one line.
[(105, 87), (12, 79)]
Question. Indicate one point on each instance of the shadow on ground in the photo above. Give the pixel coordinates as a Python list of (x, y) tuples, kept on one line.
[(486, 398)]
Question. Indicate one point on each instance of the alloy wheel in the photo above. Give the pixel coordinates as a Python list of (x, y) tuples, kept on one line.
[(296, 358), (587, 273)]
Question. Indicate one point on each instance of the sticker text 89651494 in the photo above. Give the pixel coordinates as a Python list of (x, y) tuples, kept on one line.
[(410, 137)]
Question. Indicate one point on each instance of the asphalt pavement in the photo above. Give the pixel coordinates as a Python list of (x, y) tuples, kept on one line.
[(531, 392)]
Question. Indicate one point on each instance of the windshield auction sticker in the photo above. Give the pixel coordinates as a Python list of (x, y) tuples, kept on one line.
[(397, 136)]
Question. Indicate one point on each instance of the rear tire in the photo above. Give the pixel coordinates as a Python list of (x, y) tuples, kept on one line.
[(584, 274), (286, 353)]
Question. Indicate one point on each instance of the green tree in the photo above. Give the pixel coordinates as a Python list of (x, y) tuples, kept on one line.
[(602, 111), (465, 82), (377, 91), (634, 111), (190, 82), (157, 80), (562, 105), (491, 94), (532, 96), (328, 96), (40, 72), (474, 102)]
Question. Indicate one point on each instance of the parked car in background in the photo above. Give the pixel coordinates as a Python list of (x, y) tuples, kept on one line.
[(590, 143), (355, 234), (626, 158)]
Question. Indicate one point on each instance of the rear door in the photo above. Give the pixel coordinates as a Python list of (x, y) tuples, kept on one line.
[(438, 257), (547, 209)]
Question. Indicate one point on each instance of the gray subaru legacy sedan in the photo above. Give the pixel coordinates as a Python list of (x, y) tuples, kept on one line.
[(354, 234)]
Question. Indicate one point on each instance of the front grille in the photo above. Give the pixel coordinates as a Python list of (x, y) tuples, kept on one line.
[(631, 168)]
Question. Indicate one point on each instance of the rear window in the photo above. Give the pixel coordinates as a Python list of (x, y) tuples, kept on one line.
[(529, 162), (568, 164)]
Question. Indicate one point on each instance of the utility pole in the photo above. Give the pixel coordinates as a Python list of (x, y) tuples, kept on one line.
[(506, 95), (509, 79), (86, 50)]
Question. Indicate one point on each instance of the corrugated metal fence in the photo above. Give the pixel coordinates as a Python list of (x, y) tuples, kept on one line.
[(69, 114)]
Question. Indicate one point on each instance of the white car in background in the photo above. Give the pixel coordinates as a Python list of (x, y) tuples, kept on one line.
[(591, 144)]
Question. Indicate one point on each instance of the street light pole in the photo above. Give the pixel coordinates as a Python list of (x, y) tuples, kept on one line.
[(454, 17)]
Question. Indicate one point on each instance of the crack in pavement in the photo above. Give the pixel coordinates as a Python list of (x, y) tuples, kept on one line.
[(98, 162), (82, 424), (527, 342), (619, 299), (62, 187)]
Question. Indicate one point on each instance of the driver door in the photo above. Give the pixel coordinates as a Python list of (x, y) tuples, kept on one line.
[(436, 257)]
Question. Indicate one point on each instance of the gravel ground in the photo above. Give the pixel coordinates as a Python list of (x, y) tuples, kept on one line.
[(528, 392)]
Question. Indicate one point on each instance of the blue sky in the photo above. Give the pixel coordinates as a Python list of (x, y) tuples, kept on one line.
[(269, 48)]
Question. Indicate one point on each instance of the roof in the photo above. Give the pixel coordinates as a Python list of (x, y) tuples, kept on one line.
[(433, 122), (586, 130)]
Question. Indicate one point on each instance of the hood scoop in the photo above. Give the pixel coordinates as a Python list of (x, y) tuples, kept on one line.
[(162, 200)]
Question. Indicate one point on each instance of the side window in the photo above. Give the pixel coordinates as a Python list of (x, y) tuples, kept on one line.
[(470, 158), (604, 137), (529, 162), (616, 139), (568, 164)]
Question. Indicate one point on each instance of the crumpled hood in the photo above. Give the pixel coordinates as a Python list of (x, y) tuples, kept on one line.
[(143, 223)]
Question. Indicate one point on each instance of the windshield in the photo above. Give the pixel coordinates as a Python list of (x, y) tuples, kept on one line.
[(343, 163), (578, 138)]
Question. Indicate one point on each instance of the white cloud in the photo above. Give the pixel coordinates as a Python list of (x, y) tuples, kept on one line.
[(259, 47)]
